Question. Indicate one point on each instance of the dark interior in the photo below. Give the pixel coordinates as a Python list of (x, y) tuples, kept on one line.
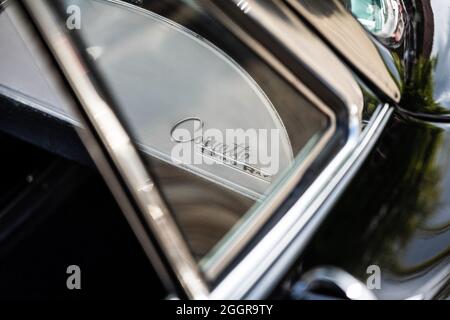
[(55, 213)]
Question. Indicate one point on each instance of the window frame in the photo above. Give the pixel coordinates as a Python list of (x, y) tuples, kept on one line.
[(123, 169)]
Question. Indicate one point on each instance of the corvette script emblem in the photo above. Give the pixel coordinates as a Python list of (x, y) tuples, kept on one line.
[(236, 149)]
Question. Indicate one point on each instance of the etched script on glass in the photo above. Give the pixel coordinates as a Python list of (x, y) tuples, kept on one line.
[(236, 149)]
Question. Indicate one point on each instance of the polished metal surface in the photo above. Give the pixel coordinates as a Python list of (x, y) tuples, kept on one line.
[(259, 272)]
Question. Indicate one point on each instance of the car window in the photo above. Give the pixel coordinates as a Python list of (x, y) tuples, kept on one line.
[(181, 95), (226, 124)]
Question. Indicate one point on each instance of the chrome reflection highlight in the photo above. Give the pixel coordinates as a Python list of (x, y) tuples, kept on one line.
[(349, 285)]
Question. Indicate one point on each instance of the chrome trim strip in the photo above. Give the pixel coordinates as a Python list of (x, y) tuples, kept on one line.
[(286, 240), (291, 34), (121, 150)]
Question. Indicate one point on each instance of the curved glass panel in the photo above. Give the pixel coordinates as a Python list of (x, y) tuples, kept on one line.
[(217, 127), (182, 95)]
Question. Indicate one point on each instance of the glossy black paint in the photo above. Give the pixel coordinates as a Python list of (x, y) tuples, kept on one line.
[(396, 211), (395, 214)]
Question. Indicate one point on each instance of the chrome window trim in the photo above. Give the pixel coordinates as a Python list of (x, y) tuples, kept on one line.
[(122, 151), (336, 187), (240, 281), (290, 31)]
